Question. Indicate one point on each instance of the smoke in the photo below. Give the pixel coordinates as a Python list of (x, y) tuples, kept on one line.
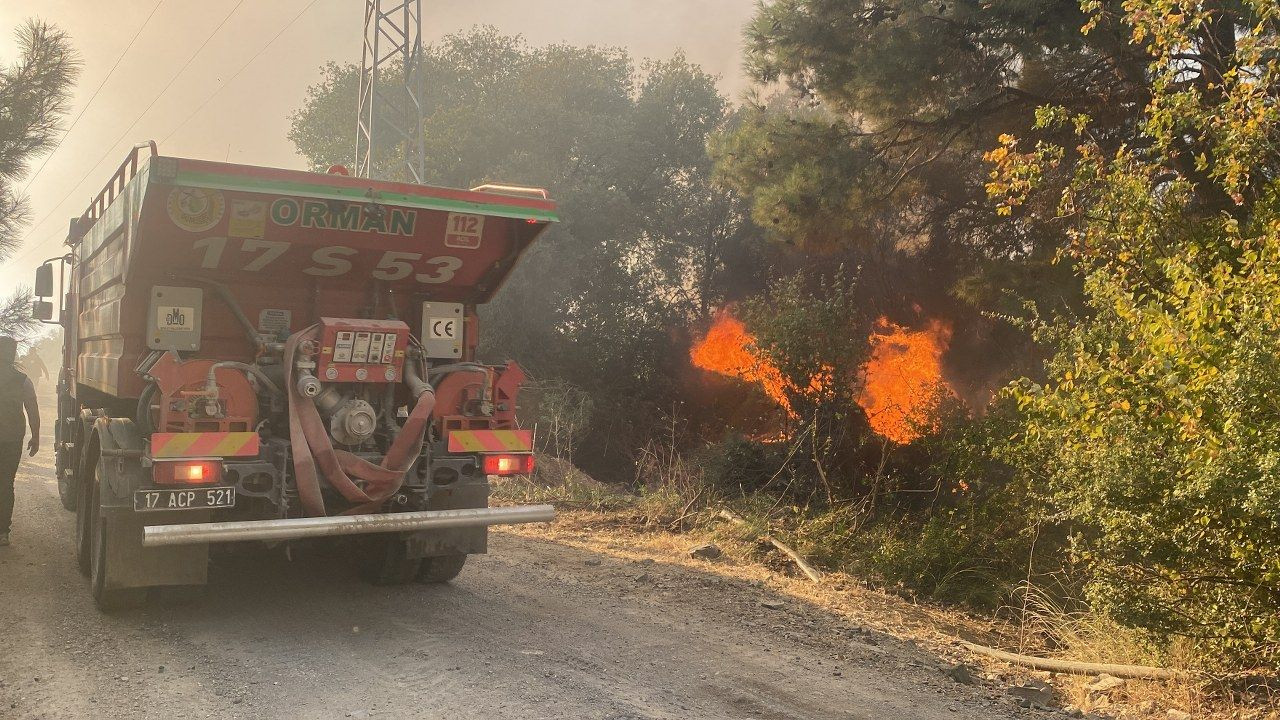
[(248, 121), (709, 32)]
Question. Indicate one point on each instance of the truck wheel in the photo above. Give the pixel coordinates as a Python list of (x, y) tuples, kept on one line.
[(107, 599), (66, 448), (84, 529), (383, 562), (67, 492), (441, 568)]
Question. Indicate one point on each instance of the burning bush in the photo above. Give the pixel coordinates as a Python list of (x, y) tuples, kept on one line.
[(896, 377), (850, 390), (902, 384)]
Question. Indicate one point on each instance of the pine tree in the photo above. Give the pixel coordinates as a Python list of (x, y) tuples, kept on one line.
[(34, 95)]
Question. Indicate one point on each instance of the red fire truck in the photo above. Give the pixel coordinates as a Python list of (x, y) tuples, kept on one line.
[(256, 354)]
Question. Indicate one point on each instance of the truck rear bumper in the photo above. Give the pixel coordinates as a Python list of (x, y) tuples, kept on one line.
[(295, 528)]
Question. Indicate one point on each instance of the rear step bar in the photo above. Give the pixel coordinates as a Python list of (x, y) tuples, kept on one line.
[(295, 528)]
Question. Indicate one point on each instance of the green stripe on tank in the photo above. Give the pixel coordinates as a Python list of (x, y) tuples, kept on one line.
[(324, 192)]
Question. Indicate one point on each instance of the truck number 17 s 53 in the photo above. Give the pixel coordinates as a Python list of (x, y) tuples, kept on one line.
[(255, 255)]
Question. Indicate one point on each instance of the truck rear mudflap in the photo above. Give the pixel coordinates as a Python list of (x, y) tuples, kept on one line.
[(339, 525)]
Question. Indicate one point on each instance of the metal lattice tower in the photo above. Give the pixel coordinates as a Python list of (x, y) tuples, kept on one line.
[(391, 110)]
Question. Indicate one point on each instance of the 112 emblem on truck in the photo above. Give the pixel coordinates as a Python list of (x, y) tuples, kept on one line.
[(269, 355)]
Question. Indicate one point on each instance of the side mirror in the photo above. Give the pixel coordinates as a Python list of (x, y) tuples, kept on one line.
[(42, 310), (44, 281)]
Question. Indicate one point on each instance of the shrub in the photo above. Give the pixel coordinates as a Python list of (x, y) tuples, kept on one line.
[(1158, 429)]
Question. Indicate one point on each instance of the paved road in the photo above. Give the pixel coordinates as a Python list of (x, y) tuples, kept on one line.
[(533, 630)]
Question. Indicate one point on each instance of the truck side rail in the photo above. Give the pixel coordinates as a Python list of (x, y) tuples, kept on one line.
[(126, 172), (516, 190)]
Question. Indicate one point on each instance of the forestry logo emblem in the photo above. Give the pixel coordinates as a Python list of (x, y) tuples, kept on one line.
[(195, 209)]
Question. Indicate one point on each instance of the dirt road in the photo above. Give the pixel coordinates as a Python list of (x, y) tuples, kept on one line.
[(534, 630)]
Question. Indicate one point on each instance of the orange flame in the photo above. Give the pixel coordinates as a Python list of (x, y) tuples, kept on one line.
[(903, 379), (727, 350)]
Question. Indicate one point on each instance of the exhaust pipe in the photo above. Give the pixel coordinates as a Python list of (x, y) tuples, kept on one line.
[(295, 528)]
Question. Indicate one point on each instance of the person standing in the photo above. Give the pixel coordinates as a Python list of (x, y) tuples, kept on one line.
[(17, 395), (33, 366)]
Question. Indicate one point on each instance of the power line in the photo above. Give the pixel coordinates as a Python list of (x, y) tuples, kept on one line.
[(93, 97), (243, 67), (111, 148)]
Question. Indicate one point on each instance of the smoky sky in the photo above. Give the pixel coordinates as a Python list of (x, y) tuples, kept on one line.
[(247, 121)]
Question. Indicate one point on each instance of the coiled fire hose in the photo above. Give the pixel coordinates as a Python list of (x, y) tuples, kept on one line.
[(313, 449)]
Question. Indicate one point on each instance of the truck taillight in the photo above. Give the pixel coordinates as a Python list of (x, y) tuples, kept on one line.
[(187, 472), (508, 464)]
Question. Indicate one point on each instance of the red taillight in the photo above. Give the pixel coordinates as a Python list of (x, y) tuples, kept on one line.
[(514, 464), (187, 472)]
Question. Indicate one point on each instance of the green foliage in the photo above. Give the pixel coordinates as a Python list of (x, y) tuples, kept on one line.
[(962, 526), (802, 170), (1157, 427), (892, 104), (34, 94), (802, 327), (740, 466), (559, 412), (15, 316)]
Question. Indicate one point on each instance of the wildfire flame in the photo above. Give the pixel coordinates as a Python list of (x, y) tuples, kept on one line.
[(901, 381), (727, 350)]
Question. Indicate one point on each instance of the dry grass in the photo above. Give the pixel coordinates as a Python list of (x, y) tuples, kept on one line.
[(1048, 627), (663, 525), (676, 510)]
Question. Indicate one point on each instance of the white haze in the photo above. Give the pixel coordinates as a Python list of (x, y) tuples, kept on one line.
[(247, 121)]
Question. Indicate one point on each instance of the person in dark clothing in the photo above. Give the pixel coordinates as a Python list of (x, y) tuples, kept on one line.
[(17, 394)]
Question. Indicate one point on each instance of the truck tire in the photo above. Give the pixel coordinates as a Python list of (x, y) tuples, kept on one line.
[(441, 568), (383, 561), (84, 528), (67, 493), (68, 488), (107, 599)]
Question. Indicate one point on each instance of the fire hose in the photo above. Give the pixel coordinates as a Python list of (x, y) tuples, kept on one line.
[(313, 450)]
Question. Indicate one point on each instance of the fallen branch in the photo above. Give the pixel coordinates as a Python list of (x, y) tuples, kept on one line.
[(805, 567), (1074, 667)]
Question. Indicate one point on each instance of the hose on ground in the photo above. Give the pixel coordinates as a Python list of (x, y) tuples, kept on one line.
[(1074, 667)]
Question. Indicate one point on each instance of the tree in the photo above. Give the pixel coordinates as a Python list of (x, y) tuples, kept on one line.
[(34, 94), (647, 247), (15, 316), (1157, 428), (878, 144)]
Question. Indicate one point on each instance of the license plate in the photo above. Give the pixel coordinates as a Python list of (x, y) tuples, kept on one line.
[(194, 499)]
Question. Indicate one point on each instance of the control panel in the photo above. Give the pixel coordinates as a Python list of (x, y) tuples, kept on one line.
[(362, 350)]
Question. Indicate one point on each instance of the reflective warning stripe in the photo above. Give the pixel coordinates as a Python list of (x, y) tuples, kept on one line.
[(491, 441), (211, 444)]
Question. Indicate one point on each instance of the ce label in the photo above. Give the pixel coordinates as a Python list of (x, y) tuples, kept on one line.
[(444, 328)]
